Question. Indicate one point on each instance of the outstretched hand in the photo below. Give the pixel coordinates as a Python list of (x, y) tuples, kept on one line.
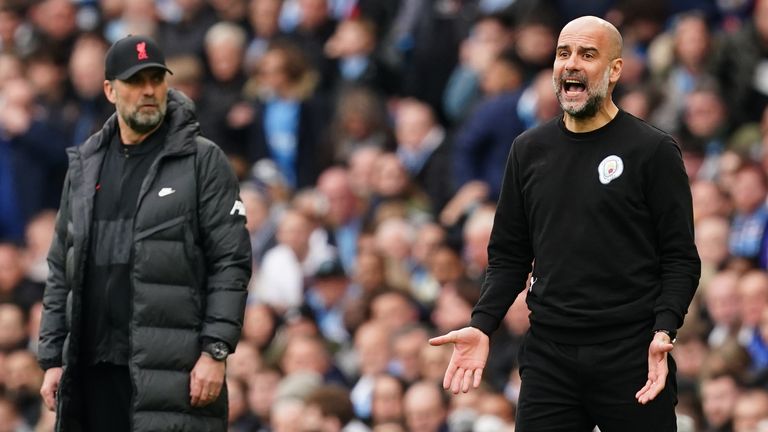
[(657, 368), (470, 352)]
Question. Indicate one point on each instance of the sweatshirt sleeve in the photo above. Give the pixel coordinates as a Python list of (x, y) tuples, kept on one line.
[(669, 199), (510, 252)]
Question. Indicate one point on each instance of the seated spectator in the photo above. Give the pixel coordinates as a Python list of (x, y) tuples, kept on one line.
[(750, 213), (86, 108), (690, 352), (314, 28), (37, 240), (429, 237), (260, 325), (407, 345), (10, 419), (13, 328), (712, 244), (261, 222), (262, 388), (182, 32), (709, 200), (683, 68), (286, 415), (309, 354), (705, 125), (359, 122), (387, 400), (329, 409), (32, 159), (239, 418), (485, 138), (426, 407), (15, 287), (222, 90), (722, 305), (394, 239), (281, 280), (362, 161), (263, 22), (424, 149), (373, 352), (343, 219), (453, 308), (753, 295), (244, 362), (476, 235), (489, 36), (395, 308), (353, 46), (23, 378), (719, 394), (394, 191), (751, 411), (432, 360), (327, 297), (287, 116), (445, 265)]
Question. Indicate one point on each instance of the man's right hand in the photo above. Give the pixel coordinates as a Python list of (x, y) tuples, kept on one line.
[(51, 386), (470, 352)]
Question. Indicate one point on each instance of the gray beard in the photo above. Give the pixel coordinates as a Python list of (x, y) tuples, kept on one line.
[(588, 110), (145, 124)]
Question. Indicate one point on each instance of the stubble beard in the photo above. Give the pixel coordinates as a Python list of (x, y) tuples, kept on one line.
[(595, 97)]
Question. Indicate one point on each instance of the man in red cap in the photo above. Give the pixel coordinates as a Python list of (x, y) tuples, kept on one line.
[(148, 267)]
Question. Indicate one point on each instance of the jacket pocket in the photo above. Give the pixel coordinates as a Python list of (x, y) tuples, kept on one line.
[(157, 228)]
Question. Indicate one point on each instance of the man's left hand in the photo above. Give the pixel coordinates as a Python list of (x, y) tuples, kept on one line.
[(657, 368), (206, 380)]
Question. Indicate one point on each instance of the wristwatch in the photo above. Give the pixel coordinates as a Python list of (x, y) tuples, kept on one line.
[(217, 350)]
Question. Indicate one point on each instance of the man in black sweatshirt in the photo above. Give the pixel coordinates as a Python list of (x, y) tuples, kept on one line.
[(596, 203)]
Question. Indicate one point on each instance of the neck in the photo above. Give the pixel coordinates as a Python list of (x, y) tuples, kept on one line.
[(605, 114)]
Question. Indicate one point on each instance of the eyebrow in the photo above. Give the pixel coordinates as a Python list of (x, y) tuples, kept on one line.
[(579, 49)]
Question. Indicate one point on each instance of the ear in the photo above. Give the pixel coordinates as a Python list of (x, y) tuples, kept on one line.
[(616, 66), (109, 91)]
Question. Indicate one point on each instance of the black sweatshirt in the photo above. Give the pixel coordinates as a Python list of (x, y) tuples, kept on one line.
[(607, 217)]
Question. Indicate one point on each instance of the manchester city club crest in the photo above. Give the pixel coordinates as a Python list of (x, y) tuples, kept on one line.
[(610, 168)]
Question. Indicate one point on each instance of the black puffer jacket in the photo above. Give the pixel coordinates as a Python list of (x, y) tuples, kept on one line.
[(190, 268)]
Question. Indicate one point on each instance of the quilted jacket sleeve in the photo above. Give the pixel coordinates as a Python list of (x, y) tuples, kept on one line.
[(226, 245)]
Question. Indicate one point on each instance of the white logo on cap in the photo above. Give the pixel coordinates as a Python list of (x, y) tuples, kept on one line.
[(610, 168)]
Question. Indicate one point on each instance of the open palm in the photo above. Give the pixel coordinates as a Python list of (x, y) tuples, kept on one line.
[(470, 352)]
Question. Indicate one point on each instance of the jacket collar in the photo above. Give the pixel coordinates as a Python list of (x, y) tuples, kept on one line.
[(182, 122)]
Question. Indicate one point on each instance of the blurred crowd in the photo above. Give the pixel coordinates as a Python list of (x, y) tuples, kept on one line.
[(370, 137)]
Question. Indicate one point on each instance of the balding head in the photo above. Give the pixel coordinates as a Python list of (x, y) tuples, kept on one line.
[(606, 31)]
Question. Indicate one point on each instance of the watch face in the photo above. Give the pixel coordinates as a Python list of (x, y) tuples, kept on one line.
[(219, 350)]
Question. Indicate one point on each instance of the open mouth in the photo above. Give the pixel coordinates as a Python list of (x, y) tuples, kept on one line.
[(573, 87)]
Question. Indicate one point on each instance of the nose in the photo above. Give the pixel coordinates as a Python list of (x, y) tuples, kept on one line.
[(572, 63), (148, 87)]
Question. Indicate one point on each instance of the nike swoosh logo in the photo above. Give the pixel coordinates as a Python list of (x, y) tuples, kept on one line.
[(165, 192)]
